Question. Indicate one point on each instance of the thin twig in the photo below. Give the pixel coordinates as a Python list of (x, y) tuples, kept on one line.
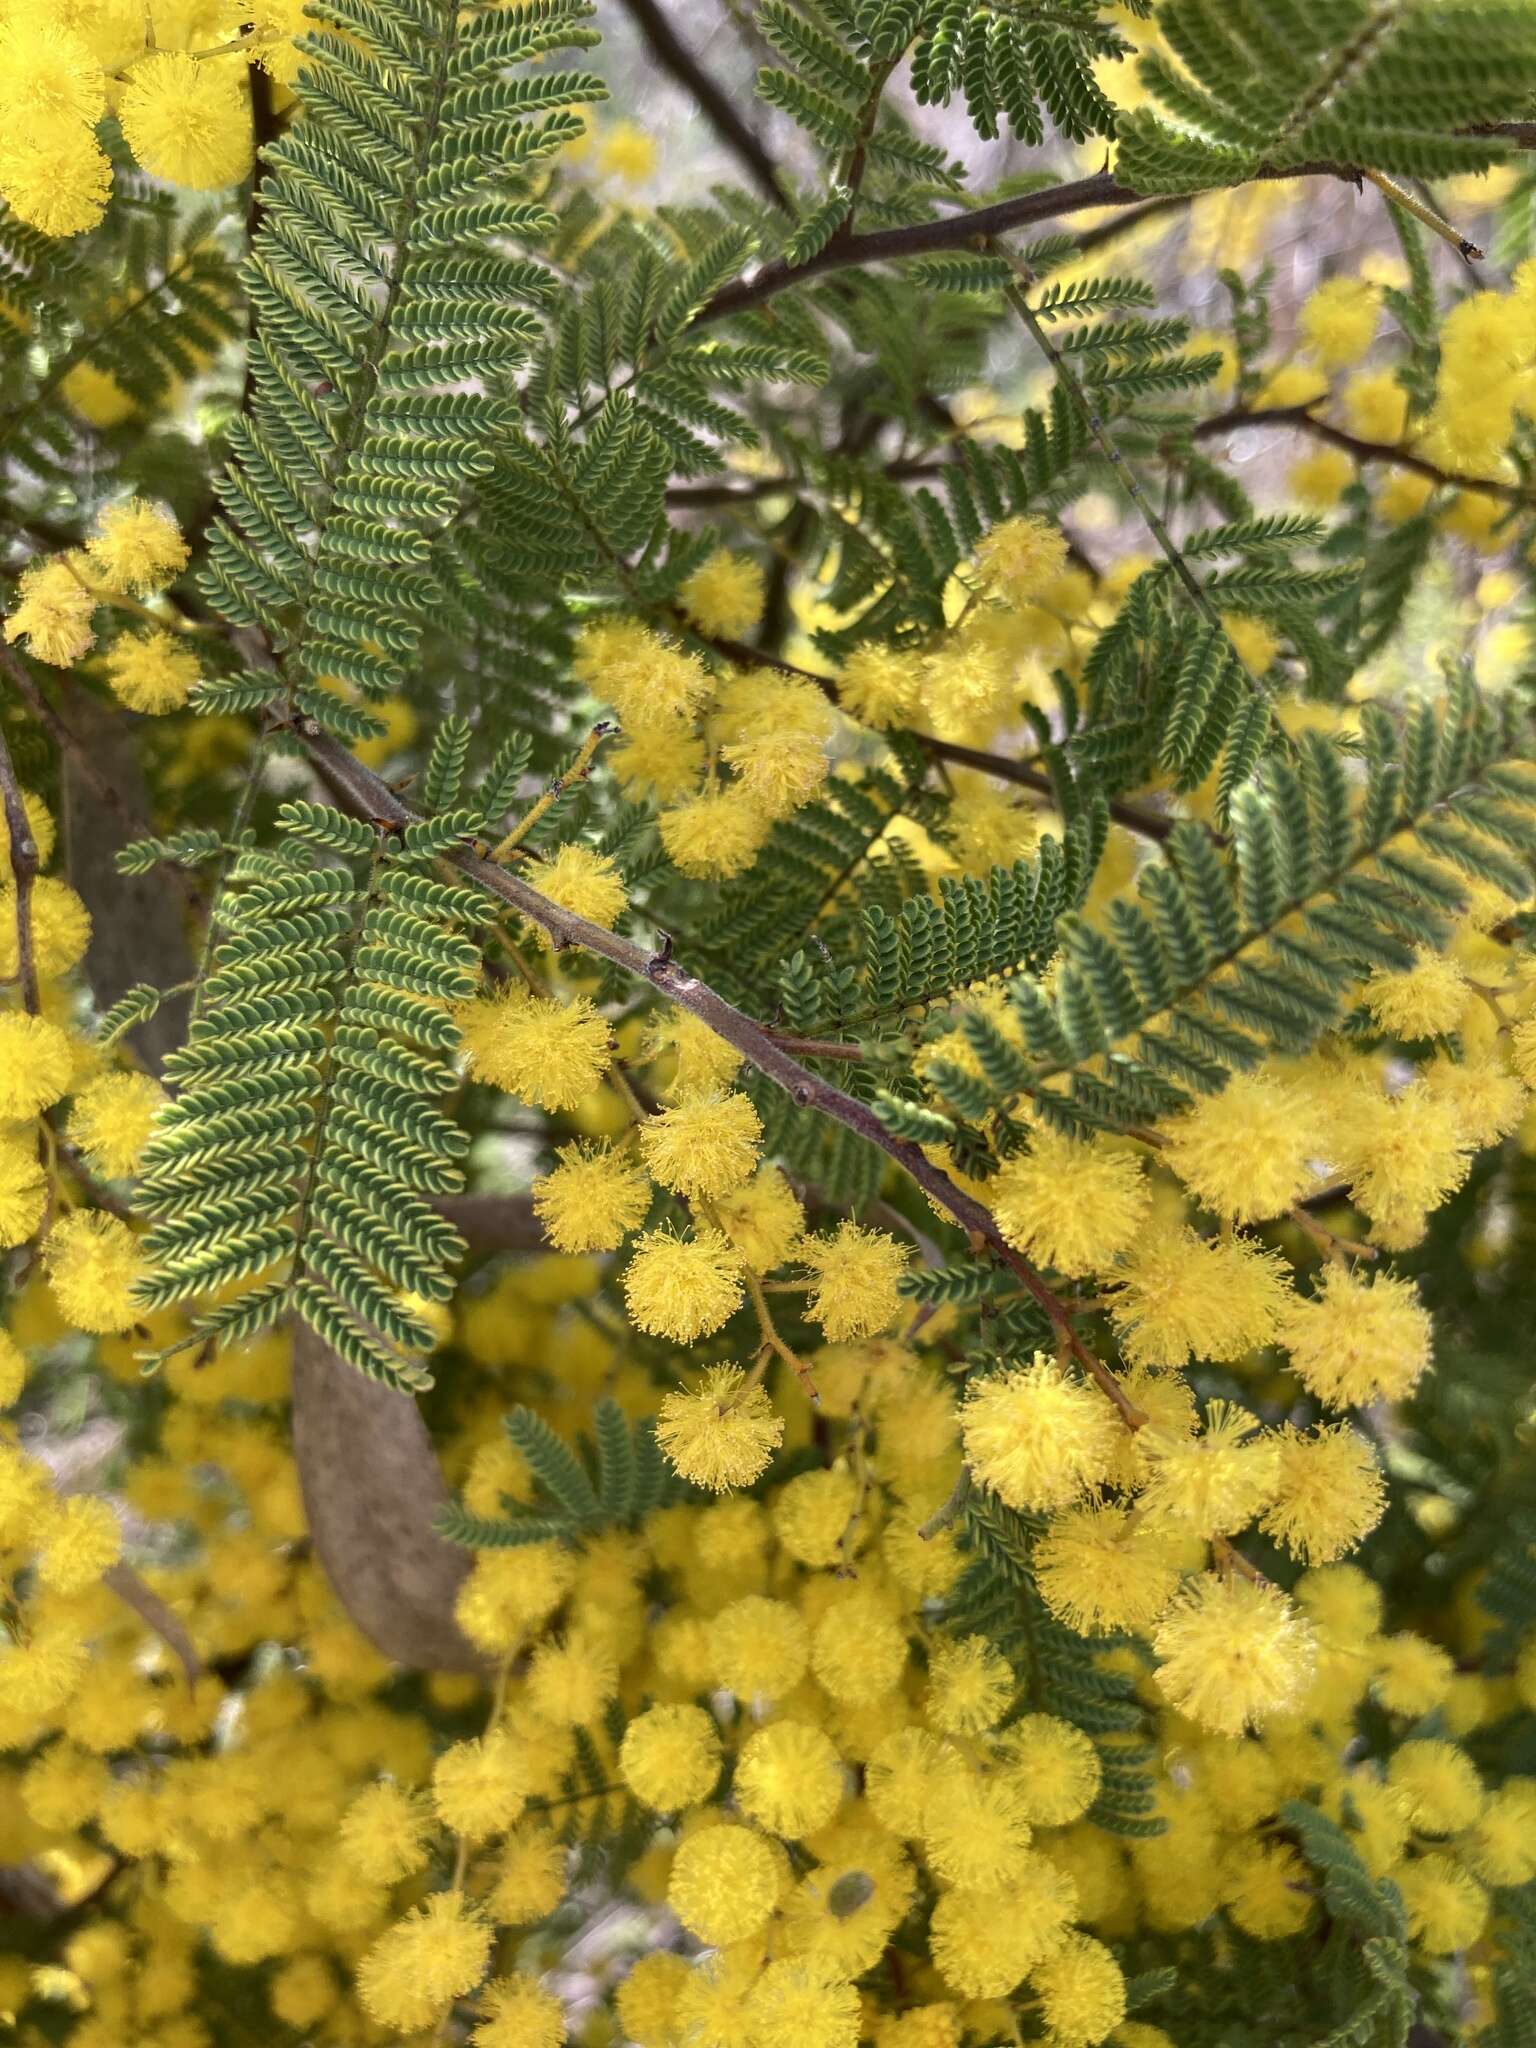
[(579, 770), (24, 865), (125, 1582), (1436, 223), (716, 105), (1302, 417), (366, 795)]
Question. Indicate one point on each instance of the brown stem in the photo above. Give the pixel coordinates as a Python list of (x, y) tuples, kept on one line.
[(366, 795), (125, 1582), (24, 865), (1307, 422), (716, 105)]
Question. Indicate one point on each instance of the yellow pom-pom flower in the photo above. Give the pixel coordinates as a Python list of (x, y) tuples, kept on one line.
[(1081, 1989), (153, 671), (724, 596), (758, 1648), (1447, 1907), (35, 1064), (188, 122), (681, 1287), (1438, 1785), (1232, 1652), (547, 1052), (1423, 1001), (1214, 1483), (517, 2012), (719, 1436), (411, 1975), (703, 1146), (385, 1833), (670, 1757), (798, 2003), (856, 1272), (53, 608), (724, 1883), (479, 1788), (591, 1198), (584, 882), (1020, 559), (1070, 1205), (1036, 1437), (1338, 320), (1053, 1766), (1245, 1153), (93, 1263), (23, 1189), (1358, 1341), (110, 1120), (84, 1539), (136, 549), (56, 177), (789, 1779), (859, 1650), (1330, 1495), (970, 1686), (714, 837)]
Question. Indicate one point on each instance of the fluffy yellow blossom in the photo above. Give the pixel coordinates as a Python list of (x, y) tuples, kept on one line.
[(1081, 1990), (1216, 1482), (719, 1436), (881, 686), (976, 1833), (110, 1120), (758, 1648), (530, 1876), (570, 1682), (1447, 1908), (1020, 558), (762, 1219), (137, 548), (1338, 320), (1357, 1341), (843, 1913), (680, 1287), (905, 1771), (856, 1274), (385, 1833), (1179, 1296), (1070, 1205), (1376, 407), (714, 837), (970, 1685), (83, 1540), (1053, 1767), (724, 1883), (517, 2012), (670, 1757), (187, 122), (983, 1943), (53, 608), (584, 882), (703, 1146), (1330, 1494), (591, 1198), (1413, 1675), (1501, 1846), (723, 597), (1232, 1652), (414, 1971), (35, 1064), (789, 1779), (1424, 1001), (61, 928), (859, 1649), (1245, 1153), (548, 1052), (93, 1262), (1266, 1889), (1438, 1785), (55, 176), (1037, 1438), (812, 1513), (645, 678), (1320, 479), (23, 1188)]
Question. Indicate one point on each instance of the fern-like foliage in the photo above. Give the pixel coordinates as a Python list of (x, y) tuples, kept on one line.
[(613, 1482), (295, 1166), (103, 331), (387, 315), (1257, 85), (1232, 951)]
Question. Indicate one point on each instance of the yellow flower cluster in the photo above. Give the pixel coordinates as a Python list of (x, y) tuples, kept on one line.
[(172, 74)]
